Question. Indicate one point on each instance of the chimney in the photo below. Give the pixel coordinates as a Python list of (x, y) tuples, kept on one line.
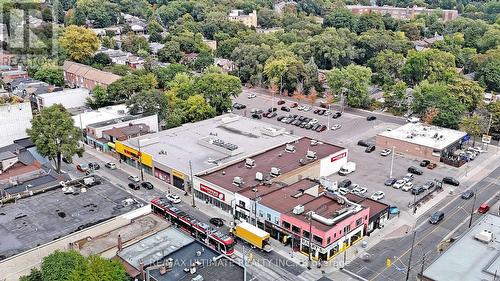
[(120, 243)]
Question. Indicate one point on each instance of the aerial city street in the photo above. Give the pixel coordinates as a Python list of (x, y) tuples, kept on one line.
[(311, 140)]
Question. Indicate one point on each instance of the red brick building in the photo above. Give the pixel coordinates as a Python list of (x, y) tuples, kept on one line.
[(84, 76)]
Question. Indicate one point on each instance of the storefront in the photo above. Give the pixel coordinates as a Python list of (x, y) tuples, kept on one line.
[(179, 179), (213, 196), (162, 175), (132, 157)]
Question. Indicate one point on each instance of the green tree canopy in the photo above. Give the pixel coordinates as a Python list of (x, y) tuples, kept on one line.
[(432, 65), (218, 89), (197, 109), (50, 74), (79, 43), (353, 81), (149, 102), (386, 67)]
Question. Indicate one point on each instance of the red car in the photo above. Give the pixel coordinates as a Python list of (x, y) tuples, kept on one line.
[(82, 168), (483, 208), (280, 102), (294, 105)]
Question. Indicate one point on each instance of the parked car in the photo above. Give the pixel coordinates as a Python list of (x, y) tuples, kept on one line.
[(408, 186), (484, 208), (336, 115), (321, 112), (307, 108), (251, 95), (413, 119), (467, 194), (280, 102), (378, 195), (256, 116), (316, 111), (359, 190), (390, 181), (343, 191), (415, 170), (300, 107), (344, 183), (82, 168), (134, 186), (272, 109), (399, 184), (371, 118), (94, 166), (67, 160), (436, 217), (408, 177), (110, 165), (417, 190), (385, 152), (336, 127), (431, 166), (428, 185), (424, 163), (271, 115), (451, 181), (314, 121), (173, 198), (370, 148), (327, 112), (147, 185), (322, 128), (315, 127), (239, 106), (134, 178), (323, 105), (285, 108), (363, 143), (217, 222), (294, 105)]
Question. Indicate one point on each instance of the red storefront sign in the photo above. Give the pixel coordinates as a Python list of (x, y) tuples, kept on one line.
[(339, 156), (212, 192)]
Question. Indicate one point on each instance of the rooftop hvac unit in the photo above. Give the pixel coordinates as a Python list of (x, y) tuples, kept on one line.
[(238, 181), (259, 176), (484, 236), (249, 163), (290, 148), (275, 172), (311, 154), (299, 209)]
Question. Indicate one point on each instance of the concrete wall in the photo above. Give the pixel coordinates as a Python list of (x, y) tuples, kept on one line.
[(332, 164), (408, 148)]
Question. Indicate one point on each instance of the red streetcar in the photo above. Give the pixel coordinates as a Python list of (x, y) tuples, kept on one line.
[(215, 239)]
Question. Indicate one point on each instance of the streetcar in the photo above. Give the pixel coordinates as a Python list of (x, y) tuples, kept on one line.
[(201, 231)]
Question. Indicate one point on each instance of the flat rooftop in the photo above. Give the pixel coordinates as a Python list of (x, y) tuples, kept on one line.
[(276, 157), (425, 135), (283, 200), (48, 216), (65, 92), (82, 119), (197, 142), (468, 259), (375, 206), (116, 121)]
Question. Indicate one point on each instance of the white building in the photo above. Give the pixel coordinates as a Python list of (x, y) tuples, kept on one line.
[(69, 98), (83, 119), (14, 120)]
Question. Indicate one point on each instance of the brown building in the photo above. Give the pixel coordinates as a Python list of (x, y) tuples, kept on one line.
[(84, 76), (402, 13)]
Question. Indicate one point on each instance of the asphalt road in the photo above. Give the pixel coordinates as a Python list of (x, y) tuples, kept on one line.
[(428, 236)]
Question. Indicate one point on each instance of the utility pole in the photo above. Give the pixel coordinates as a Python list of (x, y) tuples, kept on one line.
[(255, 205), (140, 159), (192, 183), (411, 253), (345, 250), (472, 209), (328, 117), (310, 240), (392, 161), (423, 265)]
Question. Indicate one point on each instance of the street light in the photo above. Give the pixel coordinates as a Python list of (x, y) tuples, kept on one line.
[(411, 253), (472, 209)]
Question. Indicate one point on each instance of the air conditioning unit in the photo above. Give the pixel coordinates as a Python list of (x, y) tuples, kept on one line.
[(299, 209), (238, 181), (249, 163), (275, 172), (290, 148), (484, 236), (311, 154), (259, 176)]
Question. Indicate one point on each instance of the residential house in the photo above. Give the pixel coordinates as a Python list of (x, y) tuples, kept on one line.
[(9, 75), (84, 76), (403, 13), (426, 43), (249, 20), (225, 64), (280, 6), (212, 44), (155, 47)]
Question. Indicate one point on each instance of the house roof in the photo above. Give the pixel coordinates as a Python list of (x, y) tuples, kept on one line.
[(90, 73), (122, 133)]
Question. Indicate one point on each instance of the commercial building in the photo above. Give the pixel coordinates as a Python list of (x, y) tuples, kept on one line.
[(68, 98), (423, 141), (84, 76), (15, 118), (82, 117), (288, 163), (249, 20), (208, 144), (10, 75), (403, 13), (474, 256)]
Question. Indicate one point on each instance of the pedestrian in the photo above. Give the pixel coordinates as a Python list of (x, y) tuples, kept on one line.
[(398, 214)]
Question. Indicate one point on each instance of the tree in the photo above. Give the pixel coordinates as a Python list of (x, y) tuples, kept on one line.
[(134, 43), (386, 68), (197, 109), (395, 96), (468, 92), (432, 65), (100, 13), (341, 18), (149, 102), (370, 21), (266, 18), (59, 265), (226, 47), (99, 98), (489, 74), (35, 275), (430, 114), (218, 89), (118, 69), (131, 84), (109, 42), (102, 59), (472, 125), (55, 135), (312, 96), (50, 74), (96, 268), (204, 60), (166, 74), (170, 53), (494, 110), (79, 43), (352, 80), (372, 42), (333, 48), (182, 86), (412, 30)]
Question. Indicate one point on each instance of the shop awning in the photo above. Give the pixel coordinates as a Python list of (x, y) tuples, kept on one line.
[(111, 144)]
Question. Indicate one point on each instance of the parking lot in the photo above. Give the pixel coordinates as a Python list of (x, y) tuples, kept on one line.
[(48, 216), (372, 169)]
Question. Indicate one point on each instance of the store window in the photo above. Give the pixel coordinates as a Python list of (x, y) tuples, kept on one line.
[(318, 239), (269, 217), (286, 224), (359, 221), (295, 229), (305, 233)]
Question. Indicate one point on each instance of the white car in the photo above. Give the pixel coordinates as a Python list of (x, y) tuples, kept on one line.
[(314, 121), (407, 187), (110, 165), (359, 190), (478, 149), (408, 177), (328, 112), (385, 152), (343, 191), (399, 184), (134, 178), (175, 199), (300, 107), (307, 108), (413, 119), (251, 95), (336, 127), (378, 195)]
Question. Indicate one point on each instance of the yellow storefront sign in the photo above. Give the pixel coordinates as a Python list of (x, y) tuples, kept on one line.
[(132, 153), (177, 174)]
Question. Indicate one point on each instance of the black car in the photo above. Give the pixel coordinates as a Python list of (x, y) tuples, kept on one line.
[(280, 118), (370, 148), (217, 222), (303, 124), (336, 115), (321, 112), (424, 163), (363, 143), (272, 109), (415, 170), (256, 116), (316, 111), (371, 118), (450, 180), (271, 115), (94, 166), (67, 160), (134, 186), (239, 106), (147, 185), (285, 108), (344, 183), (417, 190), (436, 217), (467, 194), (390, 181)]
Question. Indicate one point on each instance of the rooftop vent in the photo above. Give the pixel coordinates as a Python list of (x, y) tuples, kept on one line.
[(249, 163), (302, 162), (275, 172), (311, 154), (238, 181), (299, 209), (290, 148), (259, 176), (484, 236)]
